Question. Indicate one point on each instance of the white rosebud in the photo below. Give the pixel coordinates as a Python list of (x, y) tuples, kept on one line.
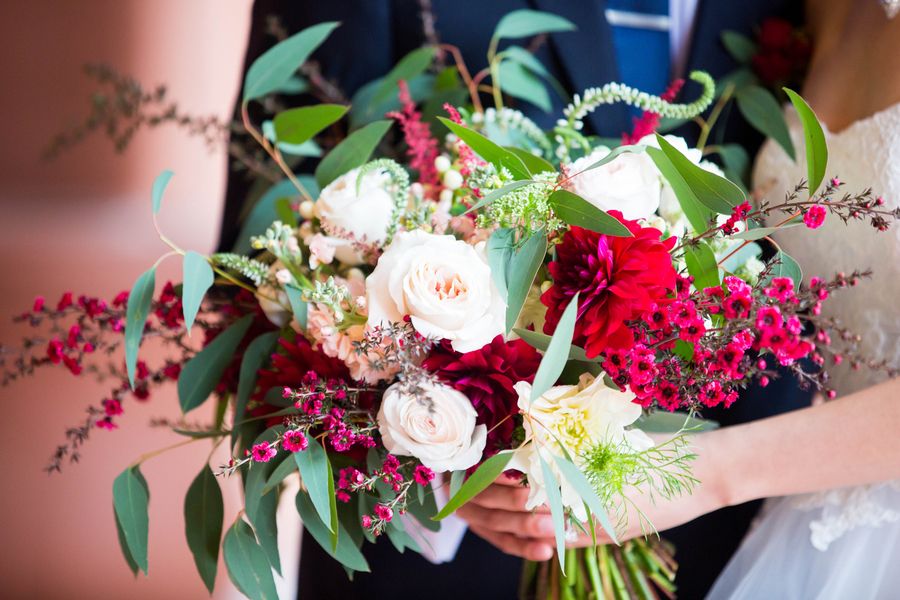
[(307, 208), (441, 163), (453, 179)]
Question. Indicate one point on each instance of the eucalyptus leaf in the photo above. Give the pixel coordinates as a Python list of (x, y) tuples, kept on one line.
[(498, 193), (457, 479), (246, 563), (346, 552), (762, 111), (299, 307), (740, 257), (702, 265), (352, 152), (698, 215), (159, 187), (413, 64), (198, 278), (541, 341), (525, 23), (130, 501), (521, 271), (575, 210), (614, 154), (139, 301), (282, 471), (739, 46), (476, 483), (315, 470), (202, 373), (736, 163), (299, 125), (204, 512), (123, 545), (784, 265), (586, 491), (760, 232), (255, 356), (488, 150), (557, 512), (264, 212), (713, 191), (275, 67), (521, 83), (500, 248), (533, 162), (673, 422), (554, 360), (266, 524), (814, 138)]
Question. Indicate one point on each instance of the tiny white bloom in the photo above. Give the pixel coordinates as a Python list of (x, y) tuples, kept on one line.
[(452, 179), (441, 163)]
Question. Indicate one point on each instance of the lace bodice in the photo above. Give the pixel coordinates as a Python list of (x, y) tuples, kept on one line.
[(866, 154)]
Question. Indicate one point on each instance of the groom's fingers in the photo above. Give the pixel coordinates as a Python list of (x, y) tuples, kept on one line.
[(529, 549), (505, 498), (506, 521)]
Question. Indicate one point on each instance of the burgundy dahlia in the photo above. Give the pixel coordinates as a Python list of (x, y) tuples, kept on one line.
[(487, 377), (618, 279)]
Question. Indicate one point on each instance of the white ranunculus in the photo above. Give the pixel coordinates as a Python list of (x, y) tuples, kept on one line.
[(365, 216), (440, 432), (578, 417), (443, 284), (629, 183)]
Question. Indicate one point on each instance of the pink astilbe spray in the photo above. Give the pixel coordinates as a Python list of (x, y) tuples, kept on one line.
[(649, 121), (422, 148), (467, 157)]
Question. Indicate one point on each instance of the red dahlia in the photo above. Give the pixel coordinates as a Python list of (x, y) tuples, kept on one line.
[(487, 377), (618, 279)]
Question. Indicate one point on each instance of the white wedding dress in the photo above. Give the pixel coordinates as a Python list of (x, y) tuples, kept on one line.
[(843, 543)]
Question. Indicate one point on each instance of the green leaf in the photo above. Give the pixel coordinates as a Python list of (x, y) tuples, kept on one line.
[(533, 162), (498, 193), (365, 109), (353, 152), (740, 257), (130, 500), (424, 506), (346, 552), (275, 67), (474, 485), (525, 23), (139, 300), (557, 512), (298, 306), (264, 212), (710, 189), (554, 360), (266, 524), (784, 265), (673, 422), (255, 356), (298, 125), (457, 479), (696, 213), (587, 493), (315, 470), (575, 210), (488, 150), (500, 248), (521, 83), (123, 545), (541, 341), (702, 265), (736, 163), (159, 187), (814, 138), (615, 153), (413, 64), (202, 373), (282, 471), (739, 46), (521, 271), (198, 278), (762, 111), (203, 515), (247, 565), (761, 232)]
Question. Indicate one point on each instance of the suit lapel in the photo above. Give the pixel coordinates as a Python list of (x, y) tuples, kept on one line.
[(588, 56)]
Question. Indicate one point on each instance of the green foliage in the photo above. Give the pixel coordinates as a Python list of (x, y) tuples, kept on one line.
[(761, 232), (281, 472), (202, 373), (557, 513), (500, 248), (673, 422), (702, 265), (554, 360), (519, 82), (814, 138), (247, 565), (541, 341), (252, 269), (698, 215), (736, 163), (412, 65), (739, 46), (526, 208), (713, 191), (139, 301), (159, 187), (299, 125), (352, 152), (498, 156), (521, 271), (586, 491), (575, 210), (346, 551), (277, 65), (761, 109), (204, 512), (474, 485), (498, 193), (315, 470), (198, 278), (525, 23), (299, 307), (533, 162), (255, 356), (123, 545), (784, 265), (131, 498), (264, 212)]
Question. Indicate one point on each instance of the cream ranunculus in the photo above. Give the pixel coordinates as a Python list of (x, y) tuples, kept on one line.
[(630, 183), (439, 429), (365, 216), (578, 417), (443, 284)]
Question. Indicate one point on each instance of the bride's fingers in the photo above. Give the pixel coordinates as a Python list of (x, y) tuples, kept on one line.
[(520, 523), (505, 498), (529, 549)]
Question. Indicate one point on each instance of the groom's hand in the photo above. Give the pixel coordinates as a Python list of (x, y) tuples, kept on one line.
[(498, 515)]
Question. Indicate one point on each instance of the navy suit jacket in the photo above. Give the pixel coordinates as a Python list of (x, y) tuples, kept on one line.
[(373, 36)]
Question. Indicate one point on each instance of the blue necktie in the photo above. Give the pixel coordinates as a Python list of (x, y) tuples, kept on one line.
[(640, 32)]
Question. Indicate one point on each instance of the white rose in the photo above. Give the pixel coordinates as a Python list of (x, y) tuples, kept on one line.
[(443, 284), (629, 183), (578, 417), (440, 432), (366, 216)]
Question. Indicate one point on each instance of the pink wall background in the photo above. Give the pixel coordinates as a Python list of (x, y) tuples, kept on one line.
[(82, 223)]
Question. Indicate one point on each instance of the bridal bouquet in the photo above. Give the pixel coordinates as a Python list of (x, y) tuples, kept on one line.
[(496, 299)]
